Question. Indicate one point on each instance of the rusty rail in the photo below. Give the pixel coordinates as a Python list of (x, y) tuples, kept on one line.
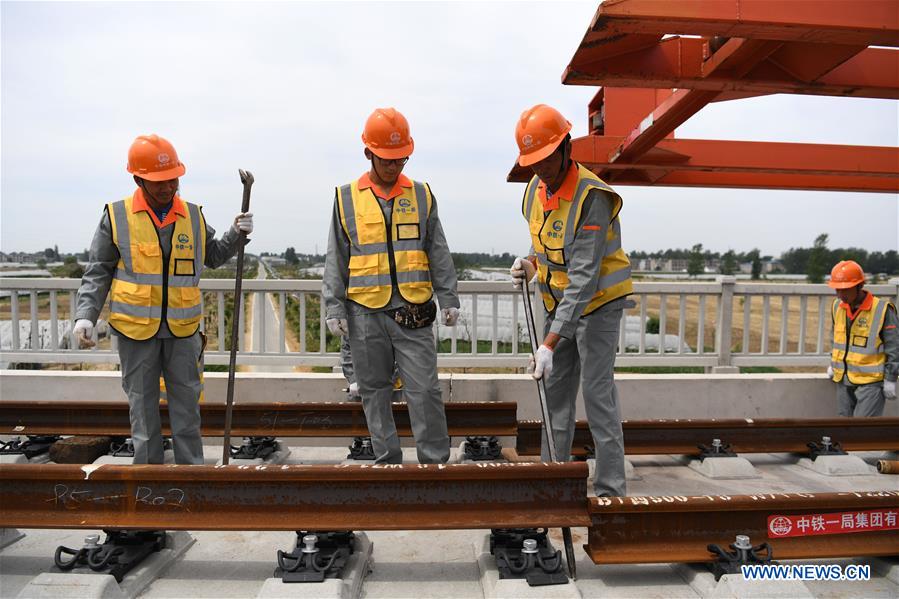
[(278, 419), (389, 497), (628, 530), (642, 437)]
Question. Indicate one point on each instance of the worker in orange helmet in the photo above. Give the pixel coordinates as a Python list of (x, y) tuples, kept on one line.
[(864, 360), (584, 277), (148, 254), (387, 259)]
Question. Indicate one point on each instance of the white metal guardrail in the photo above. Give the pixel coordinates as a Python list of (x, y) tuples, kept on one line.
[(709, 324)]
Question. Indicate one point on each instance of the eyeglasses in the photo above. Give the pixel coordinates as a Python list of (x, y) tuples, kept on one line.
[(393, 161)]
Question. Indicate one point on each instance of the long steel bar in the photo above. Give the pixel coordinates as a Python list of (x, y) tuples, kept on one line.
[(386, 497), (650, 437), (678, 528), (279, 419), (641, 437)]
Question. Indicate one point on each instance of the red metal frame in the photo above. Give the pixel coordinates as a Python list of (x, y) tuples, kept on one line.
[(740, 49)]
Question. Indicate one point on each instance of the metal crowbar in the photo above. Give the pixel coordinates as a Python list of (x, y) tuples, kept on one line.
[(246, 177), (547, 423)]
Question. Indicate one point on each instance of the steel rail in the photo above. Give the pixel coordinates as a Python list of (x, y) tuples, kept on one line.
[(644, 437), (273, 419), (628, 530), (386, 497)]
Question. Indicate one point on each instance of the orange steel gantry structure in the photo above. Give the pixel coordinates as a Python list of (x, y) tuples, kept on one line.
[(661, 61)]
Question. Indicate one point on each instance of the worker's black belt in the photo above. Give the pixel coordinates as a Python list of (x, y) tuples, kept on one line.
[(415, 316)]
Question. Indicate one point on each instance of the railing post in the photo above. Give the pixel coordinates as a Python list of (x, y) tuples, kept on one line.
[(723, 327)]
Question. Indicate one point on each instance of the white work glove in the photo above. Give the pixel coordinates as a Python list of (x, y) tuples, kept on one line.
[(450, 316), (338, 326), (83, 331), (522, 270), (830, 372), (541, 363), (243, 223), (889, 389), (353, 390)]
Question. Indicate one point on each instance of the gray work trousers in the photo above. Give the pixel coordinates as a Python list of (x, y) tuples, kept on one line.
[(589, 356), (376, 341), (178, 362), (860, 400)]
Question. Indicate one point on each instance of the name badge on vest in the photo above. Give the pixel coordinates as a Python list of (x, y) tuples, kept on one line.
[(407, 231), (184, 267)]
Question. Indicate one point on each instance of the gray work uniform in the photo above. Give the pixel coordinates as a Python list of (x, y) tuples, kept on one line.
[(379, 344), (586, 353), (176, 359), (349, 371), (868, 400)]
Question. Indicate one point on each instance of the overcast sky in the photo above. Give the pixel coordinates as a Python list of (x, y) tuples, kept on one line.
[(283, 90)]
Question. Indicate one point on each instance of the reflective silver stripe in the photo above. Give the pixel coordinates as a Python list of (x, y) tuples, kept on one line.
[(613, 245), (123, 233), (611, 279), (571, 225), (839, 346), (369, 281), (413, 276), (556, 267), (196, 223), (874, 369), (421, 196), (367, 249), (137, 278), (183, 313), (138, 311), (529, 194), (874, 341), (182, 281), (349, 213), (866, 350), (408, 245)]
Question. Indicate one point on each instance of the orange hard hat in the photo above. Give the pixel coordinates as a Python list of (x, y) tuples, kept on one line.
[(539, 132), (153, 158), (846, 274), (387, 135)]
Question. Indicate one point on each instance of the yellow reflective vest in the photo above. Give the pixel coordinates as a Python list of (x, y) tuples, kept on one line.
[(145, 289), (552, 234), (858, 353), (376, 254)]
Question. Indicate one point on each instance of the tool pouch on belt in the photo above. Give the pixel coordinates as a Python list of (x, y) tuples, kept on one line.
[(415, 316)]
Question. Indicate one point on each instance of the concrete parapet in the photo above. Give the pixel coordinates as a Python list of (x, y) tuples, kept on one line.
[(643, 396)]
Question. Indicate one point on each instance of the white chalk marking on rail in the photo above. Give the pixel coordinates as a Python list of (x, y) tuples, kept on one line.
[(749, 421), (89, 469)]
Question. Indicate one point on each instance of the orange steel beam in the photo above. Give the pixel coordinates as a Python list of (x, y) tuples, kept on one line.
[(801, 69), (864, 22), (714, 163), (749, 157), (735, 59)]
